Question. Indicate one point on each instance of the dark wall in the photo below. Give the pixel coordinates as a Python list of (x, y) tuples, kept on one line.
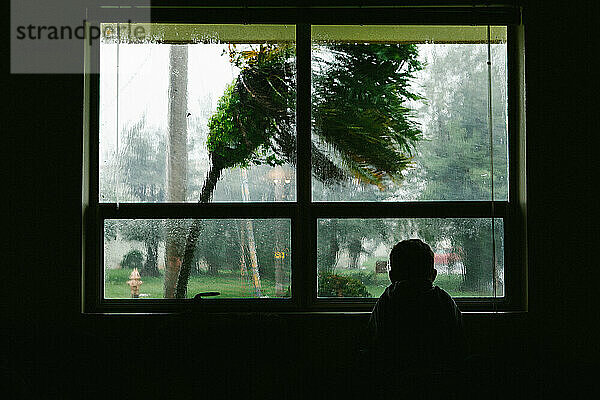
[(562, 137), (54, 349)]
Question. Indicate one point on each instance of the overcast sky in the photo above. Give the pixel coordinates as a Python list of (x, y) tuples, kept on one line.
[(143, 76)]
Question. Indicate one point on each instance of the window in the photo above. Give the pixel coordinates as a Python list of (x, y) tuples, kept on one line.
[(277, 164)]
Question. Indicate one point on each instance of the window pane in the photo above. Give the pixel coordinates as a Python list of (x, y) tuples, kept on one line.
[(240, 258), (400, 113), (352, 254), (191, 112)]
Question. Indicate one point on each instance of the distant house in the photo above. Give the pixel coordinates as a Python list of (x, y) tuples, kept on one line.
[(448, 263)]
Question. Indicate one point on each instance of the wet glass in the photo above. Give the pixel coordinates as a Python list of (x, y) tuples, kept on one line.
[(240, 258), (175, 102), (352, 254), (400, 113)]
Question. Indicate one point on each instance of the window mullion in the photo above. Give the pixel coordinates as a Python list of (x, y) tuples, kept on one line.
[(305, 241), (426, 209)]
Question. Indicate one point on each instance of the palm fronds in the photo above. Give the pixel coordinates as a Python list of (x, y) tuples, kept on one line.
[(360, 116)]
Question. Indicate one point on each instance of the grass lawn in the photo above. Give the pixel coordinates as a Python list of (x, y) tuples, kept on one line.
[(228, 283), (231, 285)]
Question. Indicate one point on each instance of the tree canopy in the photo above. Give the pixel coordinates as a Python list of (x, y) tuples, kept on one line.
[(359, 111)]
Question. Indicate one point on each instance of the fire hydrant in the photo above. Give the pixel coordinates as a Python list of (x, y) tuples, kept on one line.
[(134, 283)]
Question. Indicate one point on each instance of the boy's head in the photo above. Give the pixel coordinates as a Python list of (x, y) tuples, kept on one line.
[(411, 259)]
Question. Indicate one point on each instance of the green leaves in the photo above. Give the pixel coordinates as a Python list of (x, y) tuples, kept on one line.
[(253, 108), (332, 285), (359, 110), (360, 92)]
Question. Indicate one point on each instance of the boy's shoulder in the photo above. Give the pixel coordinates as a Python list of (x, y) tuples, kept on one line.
[(443, 295), (441, 292)]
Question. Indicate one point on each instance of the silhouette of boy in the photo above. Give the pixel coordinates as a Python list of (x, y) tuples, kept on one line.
[(416, 327)]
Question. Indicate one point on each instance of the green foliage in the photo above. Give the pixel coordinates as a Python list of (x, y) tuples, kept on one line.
[(359, 111), (336, 235), (148, 231), (110, 229), (332, 285), (139, 170), (368, 278), (133, 259), (328, 245), (253, 108), (359, 107), (224, 139), (271, 235), (143, 230), (139, 165), (456, 161), (221, 247)]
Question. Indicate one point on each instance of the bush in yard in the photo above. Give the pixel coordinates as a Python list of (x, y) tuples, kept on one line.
[(332, 285), (133, 259), (368, 278)]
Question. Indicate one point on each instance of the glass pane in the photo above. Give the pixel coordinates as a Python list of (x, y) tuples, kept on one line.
[(400, 113), (197, 112), (352, 254), (240, 258)]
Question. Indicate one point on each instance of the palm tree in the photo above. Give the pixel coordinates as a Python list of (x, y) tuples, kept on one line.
[(359, 116), (251, 244), (176, 164)]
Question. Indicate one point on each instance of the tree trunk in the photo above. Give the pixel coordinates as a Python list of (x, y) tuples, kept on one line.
[(279, 272), (151, 264), (354, 250), (353, 264), (176, 163), (243, 268), (328, 247), (250, 238), (213, 269), (256, 286), (279, 256), (210, 183), (333, 249)]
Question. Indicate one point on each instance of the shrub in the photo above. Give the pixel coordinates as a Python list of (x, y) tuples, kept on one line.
[(133, 259), (332, 285), (368, 278)]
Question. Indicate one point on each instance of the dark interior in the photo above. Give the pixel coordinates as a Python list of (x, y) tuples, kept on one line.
[(52, 350)]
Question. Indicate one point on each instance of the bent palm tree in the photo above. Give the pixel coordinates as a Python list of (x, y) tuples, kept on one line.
[(359, 117)]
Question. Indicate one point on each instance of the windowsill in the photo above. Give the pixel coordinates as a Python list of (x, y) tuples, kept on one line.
[(467, 314)]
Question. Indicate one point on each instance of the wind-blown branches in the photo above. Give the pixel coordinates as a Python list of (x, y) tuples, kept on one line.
[(255, 109), (359, 95), (359, 111)]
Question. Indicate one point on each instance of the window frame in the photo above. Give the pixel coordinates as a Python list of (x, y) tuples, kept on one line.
[(304, 213)]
